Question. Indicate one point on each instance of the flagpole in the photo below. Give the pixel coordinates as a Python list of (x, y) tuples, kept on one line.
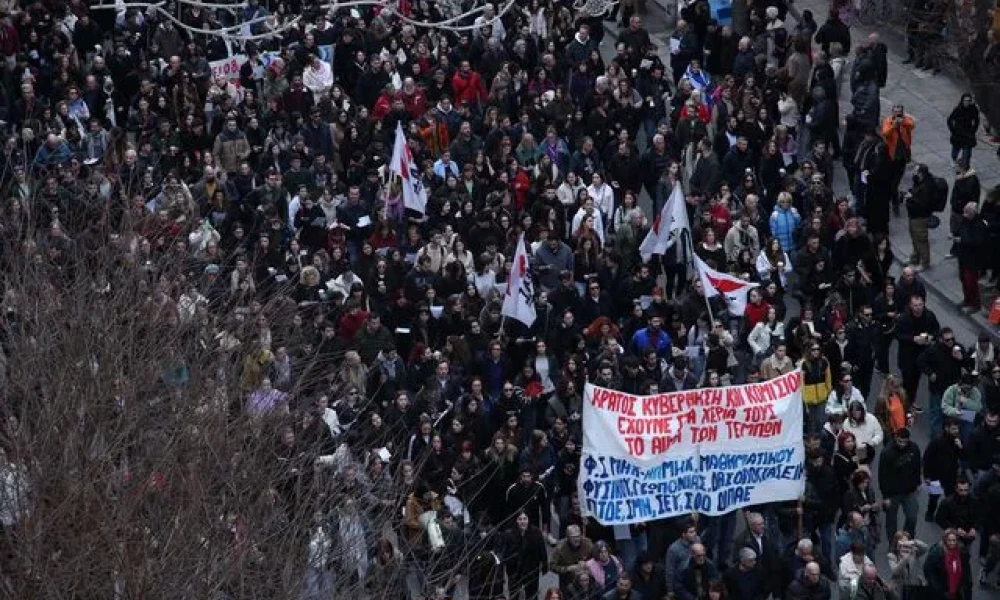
[(708, 305)]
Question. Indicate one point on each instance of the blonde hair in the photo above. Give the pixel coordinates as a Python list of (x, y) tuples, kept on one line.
[(310, 275)]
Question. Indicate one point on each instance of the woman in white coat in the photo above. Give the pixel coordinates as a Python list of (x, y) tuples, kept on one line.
[(865, 426), (764, 335), (773, 264)]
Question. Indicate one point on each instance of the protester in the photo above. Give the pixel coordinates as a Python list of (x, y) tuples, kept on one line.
[(332, 232)]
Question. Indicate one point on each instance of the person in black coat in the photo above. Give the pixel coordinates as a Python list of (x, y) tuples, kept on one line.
[(942, 460), (915, 329), (486, 570), (963, 123), (819, 509), (834, 30), (524, 556), (746, 580), (965, 189), (767, 549), (971, 246), (899, 479)]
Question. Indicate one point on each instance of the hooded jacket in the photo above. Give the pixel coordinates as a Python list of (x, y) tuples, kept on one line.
[(965, 189), (963, 123), (867, 430)]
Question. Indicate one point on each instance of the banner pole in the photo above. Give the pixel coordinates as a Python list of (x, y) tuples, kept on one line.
[(697, 274)]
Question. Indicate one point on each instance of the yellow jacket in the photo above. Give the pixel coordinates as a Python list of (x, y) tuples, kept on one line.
[(816, 381)]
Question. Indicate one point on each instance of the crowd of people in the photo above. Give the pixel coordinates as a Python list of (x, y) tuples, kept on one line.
[(262, 212)]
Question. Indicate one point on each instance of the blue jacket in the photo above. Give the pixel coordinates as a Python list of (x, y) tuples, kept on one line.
[(52, 156), (641, 341), (784, 222)]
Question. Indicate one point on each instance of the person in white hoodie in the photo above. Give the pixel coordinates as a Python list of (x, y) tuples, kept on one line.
[(865, 427)]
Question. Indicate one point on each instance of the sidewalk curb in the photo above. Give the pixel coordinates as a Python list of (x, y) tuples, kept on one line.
[(977, 320)]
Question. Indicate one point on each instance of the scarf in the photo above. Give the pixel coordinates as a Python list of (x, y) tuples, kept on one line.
[(953, 569)]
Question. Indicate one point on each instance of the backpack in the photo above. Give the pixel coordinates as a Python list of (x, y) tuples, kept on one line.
[(940, 194)]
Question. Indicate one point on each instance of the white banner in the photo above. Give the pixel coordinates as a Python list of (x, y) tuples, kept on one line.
[(708, 450)]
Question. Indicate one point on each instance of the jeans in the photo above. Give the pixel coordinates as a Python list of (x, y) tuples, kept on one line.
[(964, 151), (935, 414), (910, 506)]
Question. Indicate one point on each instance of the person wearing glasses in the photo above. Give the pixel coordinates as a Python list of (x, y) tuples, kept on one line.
[(816, 387), (843, 395)]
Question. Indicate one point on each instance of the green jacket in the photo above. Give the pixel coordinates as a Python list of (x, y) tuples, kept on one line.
[(953, 403)]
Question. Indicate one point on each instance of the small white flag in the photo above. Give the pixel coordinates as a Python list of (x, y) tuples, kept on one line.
[(519, 298), (403, 165)]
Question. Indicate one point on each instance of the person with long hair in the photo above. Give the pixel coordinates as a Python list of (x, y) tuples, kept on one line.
[(892, 408), (947, 568), (525, 557)]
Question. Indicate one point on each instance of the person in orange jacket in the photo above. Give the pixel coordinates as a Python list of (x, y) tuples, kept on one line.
[(897, 130)]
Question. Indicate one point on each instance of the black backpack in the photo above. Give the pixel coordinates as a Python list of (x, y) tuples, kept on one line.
[(940, 194)]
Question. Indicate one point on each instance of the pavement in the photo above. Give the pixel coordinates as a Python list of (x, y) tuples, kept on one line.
[(930, 99)]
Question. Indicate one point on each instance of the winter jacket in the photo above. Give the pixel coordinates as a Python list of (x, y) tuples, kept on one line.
[(784, 223), (734, 165), (231, 148), (971, 247), (899, 470), (816, 382), (960, 513), (565, 558), (937, 362), (984, 443), (937, 574), (953, 403), (868, 430), (963, 123), (866, 104), (468, 88), (903, 134), (965, 189)]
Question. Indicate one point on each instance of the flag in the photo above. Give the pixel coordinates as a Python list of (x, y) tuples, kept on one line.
[(669, 226), (733, 289), (414, 193), (519, 298), (656, 238)]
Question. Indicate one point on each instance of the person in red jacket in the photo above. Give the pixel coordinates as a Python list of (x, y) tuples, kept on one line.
[(757, 308), (467, 86), (413, 98), (383, 106)]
